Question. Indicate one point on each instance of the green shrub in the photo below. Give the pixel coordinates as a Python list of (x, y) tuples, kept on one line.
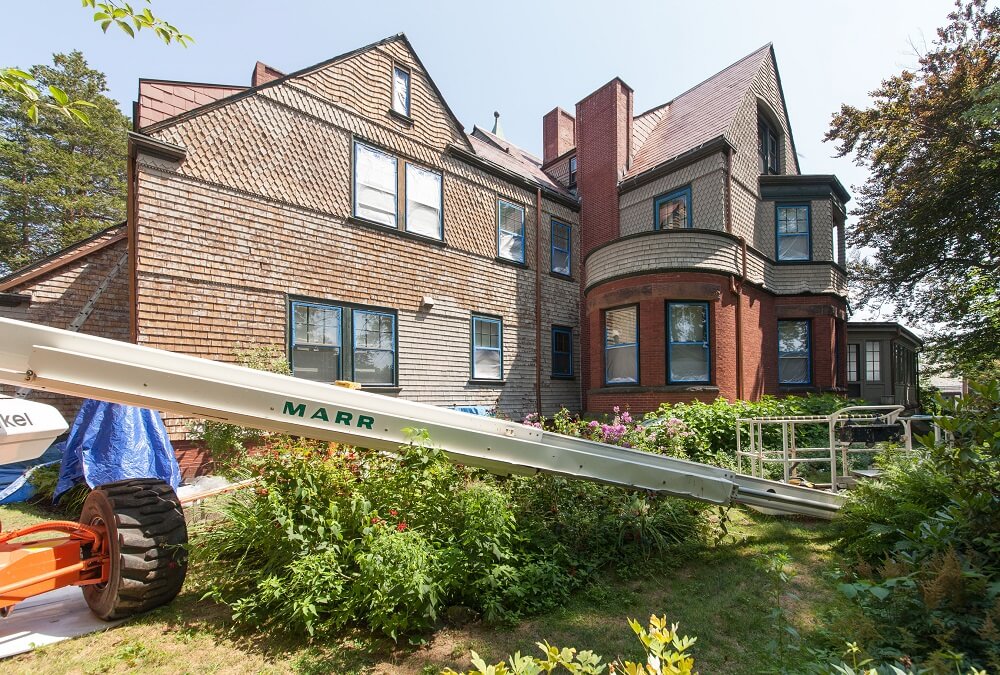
[(927, 534)]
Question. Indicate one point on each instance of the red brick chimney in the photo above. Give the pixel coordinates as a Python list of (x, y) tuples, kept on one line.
[(558, 134), (263, 73), (603, 146)]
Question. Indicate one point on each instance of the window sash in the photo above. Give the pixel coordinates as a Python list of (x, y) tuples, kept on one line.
[(562, 352), (793, 232), (487, 348), (672, 210), (852, 363), (510, 231), (375, 193), (767, 148), (621, 356), (423, 202), (315, 352), (794, 352), (401, 91), (688, 348), (561, 256), (873, 361), (572, 171), (374, 347)]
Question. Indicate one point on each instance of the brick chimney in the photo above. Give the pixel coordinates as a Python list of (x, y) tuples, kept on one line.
[(558, 134), (263, 73), (603, 147)]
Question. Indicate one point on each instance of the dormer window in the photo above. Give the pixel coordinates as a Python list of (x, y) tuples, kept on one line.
[(768, 146), (401, 91), (572, 171)]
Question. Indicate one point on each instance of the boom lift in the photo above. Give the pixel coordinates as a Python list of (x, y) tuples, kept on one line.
[(127, 550)]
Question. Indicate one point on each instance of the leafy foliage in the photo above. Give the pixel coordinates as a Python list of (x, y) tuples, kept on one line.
[(334, 536), (927, 538), (60, 181), (931, 207)]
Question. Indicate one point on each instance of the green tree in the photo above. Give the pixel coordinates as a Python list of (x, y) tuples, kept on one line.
[(60, 180), (931, 207)]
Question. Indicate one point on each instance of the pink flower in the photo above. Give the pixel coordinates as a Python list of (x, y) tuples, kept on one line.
[(402, 526)]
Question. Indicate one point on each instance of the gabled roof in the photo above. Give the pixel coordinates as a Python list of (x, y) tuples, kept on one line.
[(250, 91), (71, 253), (505, 154), (699, 115)]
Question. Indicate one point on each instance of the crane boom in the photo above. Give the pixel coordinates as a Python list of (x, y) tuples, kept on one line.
[(41, 357)]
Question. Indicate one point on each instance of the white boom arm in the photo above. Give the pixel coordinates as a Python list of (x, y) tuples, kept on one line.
[(55, 360)]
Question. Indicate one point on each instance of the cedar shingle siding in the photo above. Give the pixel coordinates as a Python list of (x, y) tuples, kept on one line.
[(253, 207)]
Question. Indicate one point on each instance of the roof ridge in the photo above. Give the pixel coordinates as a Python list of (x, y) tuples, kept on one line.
[(720, 72)]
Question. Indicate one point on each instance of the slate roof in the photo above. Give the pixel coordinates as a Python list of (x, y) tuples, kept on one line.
[(505, 154), (697, 116)]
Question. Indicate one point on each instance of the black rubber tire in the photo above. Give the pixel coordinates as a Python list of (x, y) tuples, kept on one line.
[(146, 537)]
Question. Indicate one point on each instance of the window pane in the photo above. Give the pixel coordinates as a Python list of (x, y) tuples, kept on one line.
[(321, 364), (375, 185), (687, 323), (374, 366), (688, 363), (852, 363), (316, 325), (486, 364), (487, 333), (620, 326), (673, 213), (374, 347), (423, 201), (401, 91), (562, 364), (793, 247), (793, 336), (793, 369), (873, 361), (560, 262), (621, 365), (511, 246)]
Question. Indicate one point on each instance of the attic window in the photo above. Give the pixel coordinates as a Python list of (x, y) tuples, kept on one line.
[(401, 91), (767, 140), (572, 171)]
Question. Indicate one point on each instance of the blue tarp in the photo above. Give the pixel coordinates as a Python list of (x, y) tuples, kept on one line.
[(109, 442), (15, 485), (480, 410)]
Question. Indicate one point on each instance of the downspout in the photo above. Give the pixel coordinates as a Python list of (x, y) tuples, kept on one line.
[(131, 228), (538, 301), (737, 289)]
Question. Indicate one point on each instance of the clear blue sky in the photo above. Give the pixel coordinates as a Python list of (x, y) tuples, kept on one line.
[(521, 58)]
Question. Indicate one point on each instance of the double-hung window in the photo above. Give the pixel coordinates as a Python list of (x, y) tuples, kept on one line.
[(316, 338), (401, 91), (873, 361), (673, 210), (794, 360), (561, 255), (852, 363), (621, 345), (377, 187), (319, 331), (487, 348), (510, 231), (562, 351), (374, 347), (767, 148), (792, 235), (572, 171), (688, 352)]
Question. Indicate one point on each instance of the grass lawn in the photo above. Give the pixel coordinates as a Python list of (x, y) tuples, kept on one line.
[(721, 594)]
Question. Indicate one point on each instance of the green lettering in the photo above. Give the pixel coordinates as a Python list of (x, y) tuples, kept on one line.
[(320, 414), (343, 418), (365, 421), (299, 410)]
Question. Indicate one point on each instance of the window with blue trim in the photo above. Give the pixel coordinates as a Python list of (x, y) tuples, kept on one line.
[(374, 347), (401, 91), (487, 348), (562, 351), (673, 210), (316, 342), (688, 351), (794, 352), (621, 345), (318, 332), (510, 231), (561, 254), (793, 231)]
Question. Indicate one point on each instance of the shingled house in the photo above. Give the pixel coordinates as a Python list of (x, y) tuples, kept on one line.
[(342, 212)]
